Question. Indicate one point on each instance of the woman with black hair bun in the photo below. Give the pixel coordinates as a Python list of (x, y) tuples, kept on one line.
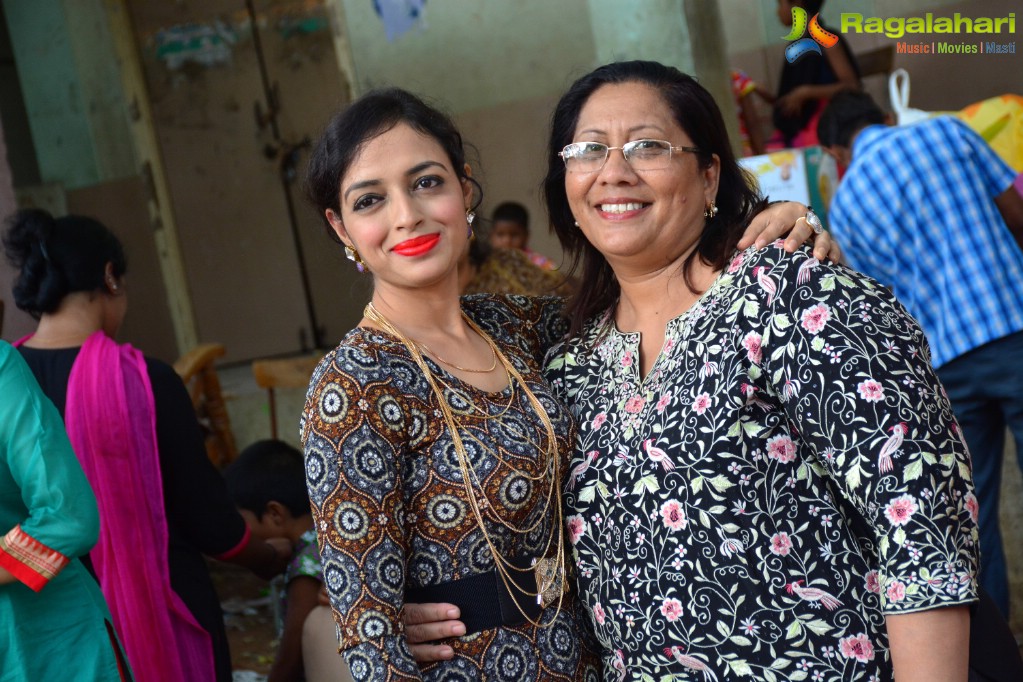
[(161, 502)]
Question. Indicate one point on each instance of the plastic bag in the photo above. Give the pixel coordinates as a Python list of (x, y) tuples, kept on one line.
[(898, 93)]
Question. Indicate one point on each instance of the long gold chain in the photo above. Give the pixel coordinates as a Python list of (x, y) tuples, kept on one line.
[(543, 472), (547, 579)]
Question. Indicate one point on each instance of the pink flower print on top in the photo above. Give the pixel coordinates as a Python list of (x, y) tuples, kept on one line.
[(781, 544), (576, 528), (782, 449), (858, 647), (663, 401), (972, 506), (752, 345), (735, 264), (814, 319), (673, 515), (873, 583), (901, 510), (627, 359), (598, 613), (634, 404), (701, 403), (896, 591), (599, 420), (871, 391), (671, 609)]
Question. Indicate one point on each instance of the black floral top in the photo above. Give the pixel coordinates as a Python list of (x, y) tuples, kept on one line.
[(391, 511), (788, 473)]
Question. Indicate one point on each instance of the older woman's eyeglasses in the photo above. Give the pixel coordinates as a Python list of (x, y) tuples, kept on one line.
[(642, 155)]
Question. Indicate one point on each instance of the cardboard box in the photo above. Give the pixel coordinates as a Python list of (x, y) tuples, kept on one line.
[(807, 175)]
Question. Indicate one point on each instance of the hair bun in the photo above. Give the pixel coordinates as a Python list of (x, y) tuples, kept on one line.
[(40, 285)]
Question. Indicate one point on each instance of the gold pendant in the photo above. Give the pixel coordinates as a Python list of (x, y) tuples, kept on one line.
[(550, 580)]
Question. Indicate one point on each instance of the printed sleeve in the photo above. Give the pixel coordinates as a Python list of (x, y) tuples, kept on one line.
[(62, 520), (852, 370), (549, 322), (355, 434)]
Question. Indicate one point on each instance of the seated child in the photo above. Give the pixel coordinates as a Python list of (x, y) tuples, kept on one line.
[(267, 484)]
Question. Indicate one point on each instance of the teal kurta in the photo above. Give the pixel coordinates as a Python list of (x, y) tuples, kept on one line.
[(53, 614)]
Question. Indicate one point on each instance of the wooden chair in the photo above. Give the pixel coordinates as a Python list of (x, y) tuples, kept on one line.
[(196, 369), (285, 373)]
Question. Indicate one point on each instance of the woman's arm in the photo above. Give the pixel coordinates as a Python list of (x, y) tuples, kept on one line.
[(62, 518), (195, 495), (930, 646), (845, 79), (355, 439), (301, 598), (852, 371)]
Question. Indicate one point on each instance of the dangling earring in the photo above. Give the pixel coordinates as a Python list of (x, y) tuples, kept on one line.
[(353, 255), (470, 216), (711, 210)]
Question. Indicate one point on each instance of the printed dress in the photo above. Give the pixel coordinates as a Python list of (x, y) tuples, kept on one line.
[(788, 473), (391, 511)]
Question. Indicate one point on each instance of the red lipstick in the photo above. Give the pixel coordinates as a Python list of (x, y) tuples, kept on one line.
[(417, 246)]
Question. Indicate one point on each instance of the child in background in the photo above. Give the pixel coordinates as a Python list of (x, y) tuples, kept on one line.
[(267, 483), (511, 231)]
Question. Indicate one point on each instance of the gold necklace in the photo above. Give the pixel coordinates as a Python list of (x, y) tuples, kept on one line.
[(549, 572), (371, 313), (486, 416), (493, 365)]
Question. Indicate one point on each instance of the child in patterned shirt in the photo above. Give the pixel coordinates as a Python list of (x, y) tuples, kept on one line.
[(267, 483)]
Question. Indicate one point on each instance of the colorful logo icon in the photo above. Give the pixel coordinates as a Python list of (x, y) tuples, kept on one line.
[(803, 46)]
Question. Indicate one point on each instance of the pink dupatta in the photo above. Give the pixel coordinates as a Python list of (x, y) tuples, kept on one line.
[(111, 421)]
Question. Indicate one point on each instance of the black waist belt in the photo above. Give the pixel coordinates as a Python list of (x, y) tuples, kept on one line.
[(483, 599)]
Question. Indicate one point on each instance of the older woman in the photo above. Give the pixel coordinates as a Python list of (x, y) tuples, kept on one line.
[(768, 480)]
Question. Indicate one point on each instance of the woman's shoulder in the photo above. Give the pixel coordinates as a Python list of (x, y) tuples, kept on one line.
[(516, 305), (362, 352)]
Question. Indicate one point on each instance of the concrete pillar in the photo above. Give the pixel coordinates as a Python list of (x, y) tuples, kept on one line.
[(686, 34)]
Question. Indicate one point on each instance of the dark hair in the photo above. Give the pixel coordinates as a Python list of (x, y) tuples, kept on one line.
[(268, 471), (847, 113), (58, 256), (375, 113), (697, 114), (513, 212)]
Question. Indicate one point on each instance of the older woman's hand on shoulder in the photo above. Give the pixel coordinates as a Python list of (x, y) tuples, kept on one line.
[(787, 219)]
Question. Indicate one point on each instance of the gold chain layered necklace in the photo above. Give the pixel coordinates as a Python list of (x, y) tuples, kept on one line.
[(549, 572)]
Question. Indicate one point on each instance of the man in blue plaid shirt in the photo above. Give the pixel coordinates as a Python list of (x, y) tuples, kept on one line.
[(930, 211)]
